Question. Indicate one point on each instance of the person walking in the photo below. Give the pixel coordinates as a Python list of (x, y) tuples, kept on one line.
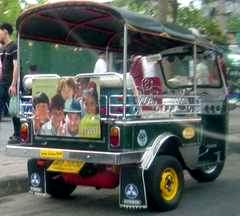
[(9, 74)]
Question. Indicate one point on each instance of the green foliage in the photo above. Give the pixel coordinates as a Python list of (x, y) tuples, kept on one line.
[(193, 18), (233, 24), (188, 17), (160, 9), (140, 6), (9, 10)]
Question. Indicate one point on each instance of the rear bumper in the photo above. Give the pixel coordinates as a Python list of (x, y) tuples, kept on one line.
[(100, 157)]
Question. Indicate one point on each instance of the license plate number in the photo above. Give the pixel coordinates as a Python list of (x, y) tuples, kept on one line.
[(51, 154)]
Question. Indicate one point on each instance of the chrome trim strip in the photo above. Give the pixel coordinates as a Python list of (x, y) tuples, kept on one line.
[(100, 157), (189, 152), (67, 139), (151, 152), (150, 121)]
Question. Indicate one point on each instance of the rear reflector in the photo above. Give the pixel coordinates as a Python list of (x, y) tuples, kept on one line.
[(24, 132), (41, 163), (114, 137)]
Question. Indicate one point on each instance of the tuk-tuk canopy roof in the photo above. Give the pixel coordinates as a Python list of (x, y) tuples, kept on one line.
[(94, 25)]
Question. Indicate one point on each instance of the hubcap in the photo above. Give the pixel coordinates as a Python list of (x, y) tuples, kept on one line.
[(169, 184), (209, 169)]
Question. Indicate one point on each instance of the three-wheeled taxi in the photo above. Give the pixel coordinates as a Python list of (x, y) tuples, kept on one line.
[(117, 99)]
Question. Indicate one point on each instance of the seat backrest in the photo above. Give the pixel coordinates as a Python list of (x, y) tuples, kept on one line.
[(136, 70), (152, 85)]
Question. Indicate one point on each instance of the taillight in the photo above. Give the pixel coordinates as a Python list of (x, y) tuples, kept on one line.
[(41, 163), (115, 137), (24, 132)]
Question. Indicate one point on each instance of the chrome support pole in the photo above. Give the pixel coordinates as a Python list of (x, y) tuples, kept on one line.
[(222, 77), (18, 72), (125, 70), (107, 58), (195, 72)]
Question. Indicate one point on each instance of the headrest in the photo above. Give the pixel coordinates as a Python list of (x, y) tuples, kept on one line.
[(27, 79)]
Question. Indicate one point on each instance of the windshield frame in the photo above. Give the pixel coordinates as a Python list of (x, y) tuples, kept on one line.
[(201, 86)]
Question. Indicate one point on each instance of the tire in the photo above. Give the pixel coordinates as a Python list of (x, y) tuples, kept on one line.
[(208, 173), (165, 171), (56, 187)]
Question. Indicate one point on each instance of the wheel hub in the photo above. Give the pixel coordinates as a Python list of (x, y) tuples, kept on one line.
[(169, 184)]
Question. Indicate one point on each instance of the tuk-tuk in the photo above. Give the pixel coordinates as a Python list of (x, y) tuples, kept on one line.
[(156, 105)]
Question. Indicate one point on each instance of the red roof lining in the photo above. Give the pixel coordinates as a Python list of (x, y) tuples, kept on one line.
[(73, 25), (85, 25)]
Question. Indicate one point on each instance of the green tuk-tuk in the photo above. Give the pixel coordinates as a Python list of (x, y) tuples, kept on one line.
[(153, 105)]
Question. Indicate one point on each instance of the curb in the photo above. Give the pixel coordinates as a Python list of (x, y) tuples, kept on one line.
[(13, 185)]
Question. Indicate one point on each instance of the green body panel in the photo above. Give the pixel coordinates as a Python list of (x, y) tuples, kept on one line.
[(154, 130), (213, 139), (127, 138), (129, 134)]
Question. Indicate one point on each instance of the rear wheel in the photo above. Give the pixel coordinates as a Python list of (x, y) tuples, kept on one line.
[(207, 173), (164, 183), (56, 187)]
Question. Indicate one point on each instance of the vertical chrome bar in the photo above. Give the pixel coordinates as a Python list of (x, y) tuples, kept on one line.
[(195, 68), (18, 73), (107, 58), (222, 76), (125, 70), (195, 73)]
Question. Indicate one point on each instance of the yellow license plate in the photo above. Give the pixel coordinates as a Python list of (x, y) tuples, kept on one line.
[(51, 154), (66, 166)]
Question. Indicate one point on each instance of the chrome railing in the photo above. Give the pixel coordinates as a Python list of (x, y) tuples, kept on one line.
[(26, 108), (142, 106)]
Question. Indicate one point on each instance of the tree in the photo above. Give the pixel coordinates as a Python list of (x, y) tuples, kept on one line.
[(9, 10), (233, 24), (188, 17), (164, 10), (27, 3)]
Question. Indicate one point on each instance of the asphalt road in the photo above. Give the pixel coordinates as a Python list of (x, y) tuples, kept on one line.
[(219, 198)]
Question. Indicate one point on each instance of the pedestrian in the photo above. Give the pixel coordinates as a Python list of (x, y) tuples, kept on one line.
[(101, 64), (9, 74)]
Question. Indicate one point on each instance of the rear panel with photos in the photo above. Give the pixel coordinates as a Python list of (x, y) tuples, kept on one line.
[(66, 107)]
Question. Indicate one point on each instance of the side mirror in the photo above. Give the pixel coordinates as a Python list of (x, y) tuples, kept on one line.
[(233, 101)]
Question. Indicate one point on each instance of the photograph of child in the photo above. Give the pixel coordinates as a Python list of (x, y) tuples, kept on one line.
[(90, 122), (41, 110), (56, 121), (81, 87), (67, 89), (72, 119)]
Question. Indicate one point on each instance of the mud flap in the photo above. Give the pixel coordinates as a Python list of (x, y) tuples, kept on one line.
[(132, 188), (36, 178)]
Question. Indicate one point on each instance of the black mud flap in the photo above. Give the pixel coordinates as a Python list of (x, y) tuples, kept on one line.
[(36, 178), (132, 188)]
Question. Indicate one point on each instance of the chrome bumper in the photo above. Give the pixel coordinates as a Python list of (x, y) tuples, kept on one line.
[(100, 157)]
